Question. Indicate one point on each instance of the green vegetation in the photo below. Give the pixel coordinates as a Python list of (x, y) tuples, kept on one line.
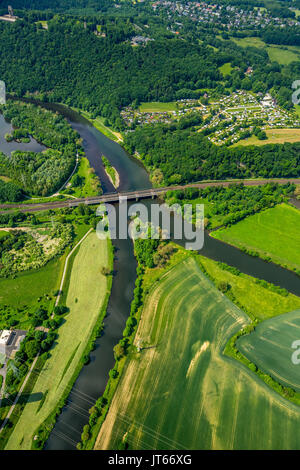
[(102, 125), (274, 136), (157, 107), (272, 234), (257, 298), (40, 173), (228, 205), (282, 56), (270, 348), (226, 69), (10, 192), (78, 327), (85, 182), (200, 159), (22, 250), (249, 42), (200, 399), (111, 172)]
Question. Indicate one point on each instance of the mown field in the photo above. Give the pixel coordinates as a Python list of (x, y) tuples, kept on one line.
[(28, 286), (275, 136), (273, 232), (270, 348), (283, 55), (180, 392), (261, 302), (157, 107), (85, 303)]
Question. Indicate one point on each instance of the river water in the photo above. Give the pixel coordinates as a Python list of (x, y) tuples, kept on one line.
[(92, 379), (8, 147)]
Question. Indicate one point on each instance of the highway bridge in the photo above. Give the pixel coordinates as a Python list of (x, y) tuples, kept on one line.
[(135, 195)]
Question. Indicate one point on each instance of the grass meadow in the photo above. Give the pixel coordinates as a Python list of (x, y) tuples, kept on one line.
[(275, 136), (85, 302), (180, 391), (272, 233), (157, 107), (261, 302)]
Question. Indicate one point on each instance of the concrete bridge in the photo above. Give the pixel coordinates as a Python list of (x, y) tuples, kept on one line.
[(136, 195)]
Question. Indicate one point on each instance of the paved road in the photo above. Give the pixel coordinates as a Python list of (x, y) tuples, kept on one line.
[(141, 194)]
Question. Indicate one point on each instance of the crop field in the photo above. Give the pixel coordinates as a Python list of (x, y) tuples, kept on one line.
[(270, 348), (85, 302), (157, 107), (260, 301), (180, 391), (275, 136), (273, 232)]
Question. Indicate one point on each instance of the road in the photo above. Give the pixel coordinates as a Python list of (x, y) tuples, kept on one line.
[(131, 195)]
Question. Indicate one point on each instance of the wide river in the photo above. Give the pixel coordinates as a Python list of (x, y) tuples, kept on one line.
[(92, 379)]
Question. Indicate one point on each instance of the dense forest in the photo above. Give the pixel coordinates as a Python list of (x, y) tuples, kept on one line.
[(228, 205), (38, 173), (100, 74), (68, 63), (185, 155)]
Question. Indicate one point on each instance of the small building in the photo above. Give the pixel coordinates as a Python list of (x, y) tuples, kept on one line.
[(267, 101), (5, 336)]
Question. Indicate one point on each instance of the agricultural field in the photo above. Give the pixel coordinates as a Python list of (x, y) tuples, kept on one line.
[(273, 233), (259, 300), (274, 136), (157, 107), (269, 347), (180, 391), (84, 302)]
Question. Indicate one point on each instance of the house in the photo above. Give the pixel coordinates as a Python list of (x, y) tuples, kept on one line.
[(5, 336)]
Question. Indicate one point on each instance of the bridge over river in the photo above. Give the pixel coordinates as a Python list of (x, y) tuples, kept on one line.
[(136, 195)]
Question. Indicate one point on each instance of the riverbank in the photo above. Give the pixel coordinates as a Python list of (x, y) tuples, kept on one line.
[(98, 122), (85, 303)]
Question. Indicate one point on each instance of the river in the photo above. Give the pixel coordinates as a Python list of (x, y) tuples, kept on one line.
[(92, 379)]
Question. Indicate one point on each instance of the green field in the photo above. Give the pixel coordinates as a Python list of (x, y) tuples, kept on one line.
[(261, 302), (91, 186), (270, 348), (275, 136), (28, 286), (272, 233), (226, 69), (249, 42), (282, 56), (85, 302), (157, 107), (181, 392)]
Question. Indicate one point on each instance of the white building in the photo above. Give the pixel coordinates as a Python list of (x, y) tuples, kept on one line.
[(4, 339)]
